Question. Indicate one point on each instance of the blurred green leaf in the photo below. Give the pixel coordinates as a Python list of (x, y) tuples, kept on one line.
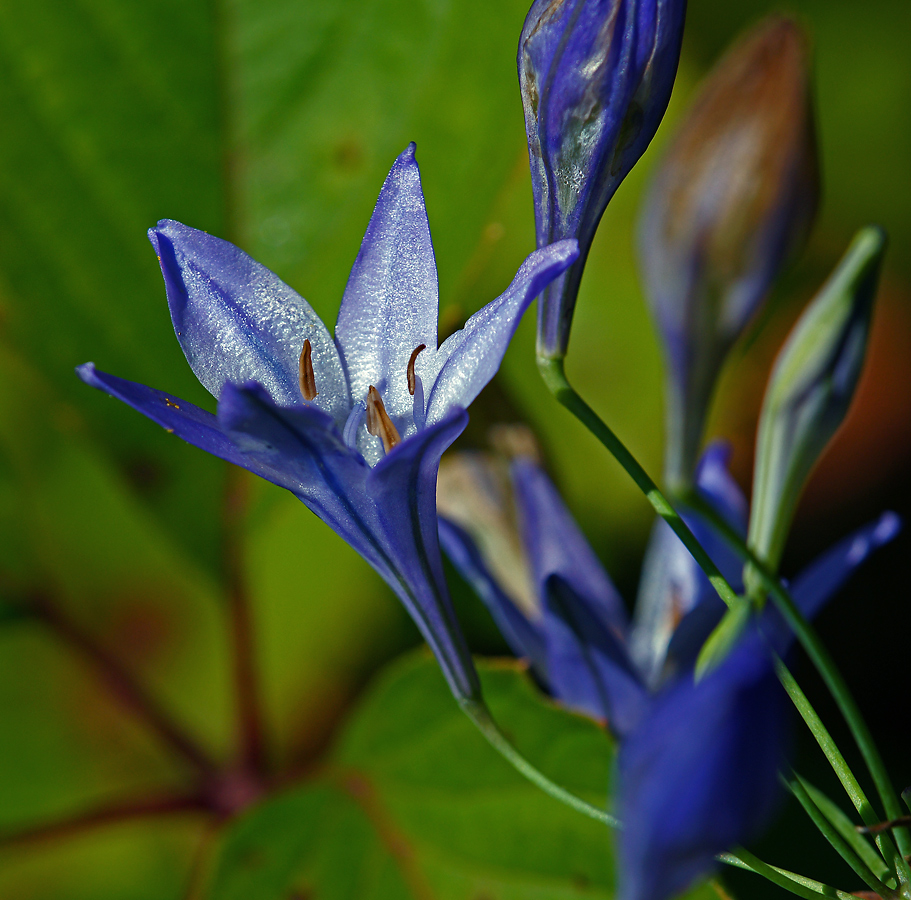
[(415, 804)]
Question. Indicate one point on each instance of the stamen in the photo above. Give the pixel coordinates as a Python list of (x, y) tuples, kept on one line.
[(410, 371), (378, 422), (305, 377)]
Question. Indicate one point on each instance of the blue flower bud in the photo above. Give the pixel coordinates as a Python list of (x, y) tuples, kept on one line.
[(734, 195), (810, 390), (596, 76)]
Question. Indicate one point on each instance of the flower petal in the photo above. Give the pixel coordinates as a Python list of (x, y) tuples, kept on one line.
[(403, 486), (390, 303), (237, 321), (667, 630), (699, 774), (194, 425), (468, 359), (523, 636), (301, 449), (555, 546), (824, 577), (588, 667)]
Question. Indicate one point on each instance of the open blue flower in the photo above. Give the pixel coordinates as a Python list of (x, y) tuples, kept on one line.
[(354, 426), (697, 763)]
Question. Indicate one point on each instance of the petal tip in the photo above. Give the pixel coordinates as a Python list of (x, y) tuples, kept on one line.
[(888, 526), (87, 372)]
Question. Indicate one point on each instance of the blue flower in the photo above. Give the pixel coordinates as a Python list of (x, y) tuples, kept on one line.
[(354, 426), (697, 764), (595, 77)]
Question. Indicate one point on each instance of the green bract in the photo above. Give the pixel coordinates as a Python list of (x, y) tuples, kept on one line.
[(810, 390)]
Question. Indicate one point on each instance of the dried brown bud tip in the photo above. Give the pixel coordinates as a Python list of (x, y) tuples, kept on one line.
[(305, 377), (411, 362), (378, 422)]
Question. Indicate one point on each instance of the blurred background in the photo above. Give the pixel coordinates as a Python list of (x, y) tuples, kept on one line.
[(272, 123)]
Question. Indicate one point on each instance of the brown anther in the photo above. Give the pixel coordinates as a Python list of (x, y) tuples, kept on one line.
[(305, 377), (410, 372), (378, 422)]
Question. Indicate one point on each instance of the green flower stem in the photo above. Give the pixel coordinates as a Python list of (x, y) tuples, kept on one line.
[(553, 373), (887, 848), (826, 667), (484, 721), (839, 844), (796, 884), (555, 379)]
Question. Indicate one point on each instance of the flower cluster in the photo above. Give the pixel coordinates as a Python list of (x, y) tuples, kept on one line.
[(352, 425), (355, 423), (698, 762)]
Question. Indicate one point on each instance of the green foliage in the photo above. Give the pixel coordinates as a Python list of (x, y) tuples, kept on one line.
[(413, 803)]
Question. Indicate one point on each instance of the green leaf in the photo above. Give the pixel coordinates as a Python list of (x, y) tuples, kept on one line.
[(414, 804)]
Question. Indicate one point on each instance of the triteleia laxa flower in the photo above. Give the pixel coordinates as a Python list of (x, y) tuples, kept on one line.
[(354, 426), (734, 194), (595, 77), (697, 763)]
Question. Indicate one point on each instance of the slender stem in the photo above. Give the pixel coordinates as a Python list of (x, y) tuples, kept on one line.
[(824, 664), (790, 881), (250, 727), (887, 848), (137, 808), (743, 859), (839, 844), (122, 684), (481, 717), (554, 376)]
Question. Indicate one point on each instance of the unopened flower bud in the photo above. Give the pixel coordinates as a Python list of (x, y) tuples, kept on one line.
[(735, 193), (596, 76), (810, 390)]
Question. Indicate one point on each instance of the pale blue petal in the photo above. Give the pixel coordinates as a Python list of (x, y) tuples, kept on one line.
[(237, 321), (390, 303), (455, 374)]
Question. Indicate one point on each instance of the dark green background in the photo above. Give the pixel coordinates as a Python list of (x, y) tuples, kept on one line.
[(273, 123)]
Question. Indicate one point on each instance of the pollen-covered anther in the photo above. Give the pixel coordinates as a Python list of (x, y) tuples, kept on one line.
[(410, 371), (378, 422), (305, 377)]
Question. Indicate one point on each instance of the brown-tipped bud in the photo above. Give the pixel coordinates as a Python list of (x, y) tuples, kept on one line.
[(735, 193), (410, 370), (305, 377), (378, 422)]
